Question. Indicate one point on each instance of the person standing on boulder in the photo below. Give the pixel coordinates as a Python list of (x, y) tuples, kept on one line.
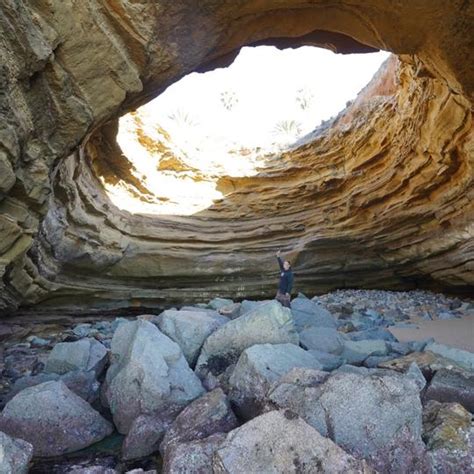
[(286, 282)]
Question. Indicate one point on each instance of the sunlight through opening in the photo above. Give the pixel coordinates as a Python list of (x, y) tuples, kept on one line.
[(227, 122)]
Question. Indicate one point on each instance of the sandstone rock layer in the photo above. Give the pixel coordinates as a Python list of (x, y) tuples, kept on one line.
[(381, 196)]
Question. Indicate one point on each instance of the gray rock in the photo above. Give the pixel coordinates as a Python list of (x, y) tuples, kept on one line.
[(82, 330), (192, 457), (307, 313), (249, 305), (372, 334), (148, 374), (449, 435), (85, 354), (53, 419), (218, 303), (327, 361), (416, 375), (419, 346), (402, 348), (355, 352), (189, 329), (462, 358), (452, 386), (144, 436), (258, 367), (36, 341), (15, 455), (81, 383), (91, 470), (280, 442), (203, 417), (322, 339), (373, 361), (231, 311), (266, 323), (366, 414)]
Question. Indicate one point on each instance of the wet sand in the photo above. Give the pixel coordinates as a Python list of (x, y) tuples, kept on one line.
[(454, 332)]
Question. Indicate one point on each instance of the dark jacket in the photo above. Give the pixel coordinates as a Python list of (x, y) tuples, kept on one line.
[(286, 278)]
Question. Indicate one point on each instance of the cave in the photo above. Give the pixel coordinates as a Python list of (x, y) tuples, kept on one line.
[(376, 201), (382, 198)]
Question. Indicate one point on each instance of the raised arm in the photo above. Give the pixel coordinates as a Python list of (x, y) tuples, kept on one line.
[(280, 261)]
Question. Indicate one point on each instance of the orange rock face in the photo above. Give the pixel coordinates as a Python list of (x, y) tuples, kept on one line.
[(380, 197)]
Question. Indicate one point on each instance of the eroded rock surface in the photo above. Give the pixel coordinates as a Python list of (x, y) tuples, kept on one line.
[(53, 419), (148, 375), (280, 441), (381, 195)]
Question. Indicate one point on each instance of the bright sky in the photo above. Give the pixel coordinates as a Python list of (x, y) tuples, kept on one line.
[(265, 82), (210, 117)]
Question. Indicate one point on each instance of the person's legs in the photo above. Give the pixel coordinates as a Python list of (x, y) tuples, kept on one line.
[(283, 299)]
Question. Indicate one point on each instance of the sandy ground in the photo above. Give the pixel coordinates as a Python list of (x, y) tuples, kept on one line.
[(455, 332)]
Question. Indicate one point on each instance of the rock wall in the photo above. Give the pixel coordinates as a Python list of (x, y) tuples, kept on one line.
[(382, 196)]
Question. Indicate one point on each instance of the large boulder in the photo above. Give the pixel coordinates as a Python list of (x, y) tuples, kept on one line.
[(203, 417), (449, 436), (189, 329), (367, 414), (280, 441), (452, 386), (53, 419), (148, 375), (464, 359), (15, 455), (355, 352), (248, 305), (82, 383), (193, 457), (307, 313), (258, 367), (86, 354), (266, 323), (322, 339)]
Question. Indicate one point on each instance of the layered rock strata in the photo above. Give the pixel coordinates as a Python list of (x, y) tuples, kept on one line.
[(381, 196)]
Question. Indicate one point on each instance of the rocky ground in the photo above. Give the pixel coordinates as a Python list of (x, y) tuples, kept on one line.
[(248, 387)]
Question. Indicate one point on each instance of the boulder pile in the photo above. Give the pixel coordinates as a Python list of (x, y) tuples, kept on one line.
[(248, 387)]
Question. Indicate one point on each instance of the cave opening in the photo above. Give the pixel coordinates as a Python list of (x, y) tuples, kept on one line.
[(230, 123)]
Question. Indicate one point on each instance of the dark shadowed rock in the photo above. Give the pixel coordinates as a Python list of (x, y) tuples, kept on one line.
[(15, 455), (148, 375), (266, 323), (205, 416), (53, 419), (144, 436), (452, 386), (192, 457), (258, 367), (189, 329), (281, 442), (327, 361)]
